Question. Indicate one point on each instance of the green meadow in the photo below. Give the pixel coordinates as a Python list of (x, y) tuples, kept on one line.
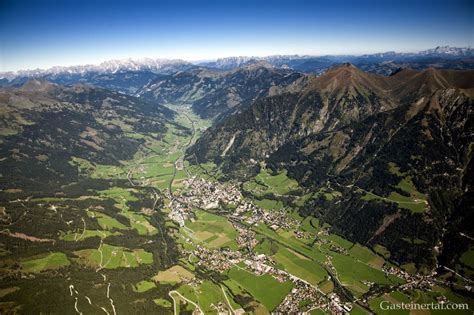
[(352, 273), (299, 266), (205, 295), (266, 183), (213, 230), (138, 221), (82, 235), (416, 201), (163, 302), (44, 262), (143, 286), (258, 287), (106, 222), (112, 257)]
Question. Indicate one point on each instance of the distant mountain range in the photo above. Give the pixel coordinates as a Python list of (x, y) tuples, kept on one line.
[(107, 67), (385, 63), (298, 62)]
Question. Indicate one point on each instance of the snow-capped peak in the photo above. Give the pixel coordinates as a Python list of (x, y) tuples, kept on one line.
[(448, 50), (110, 66)]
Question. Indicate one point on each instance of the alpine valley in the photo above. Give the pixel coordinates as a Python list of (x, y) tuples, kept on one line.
[(281, 184)]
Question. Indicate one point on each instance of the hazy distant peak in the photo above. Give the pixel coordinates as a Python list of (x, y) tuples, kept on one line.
[(255, 64), (110, 66), (448, 50), (38, 85)]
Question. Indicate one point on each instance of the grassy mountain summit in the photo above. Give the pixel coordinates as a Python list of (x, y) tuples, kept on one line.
[(397, 148)]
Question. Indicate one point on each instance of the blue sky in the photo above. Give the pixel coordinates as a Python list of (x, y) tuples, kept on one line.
[(44, 33)]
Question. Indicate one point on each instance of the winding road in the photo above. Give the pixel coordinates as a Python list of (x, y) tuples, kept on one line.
[(187, 300)]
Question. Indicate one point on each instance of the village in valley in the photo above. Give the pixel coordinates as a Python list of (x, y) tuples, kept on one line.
[(245, 217)]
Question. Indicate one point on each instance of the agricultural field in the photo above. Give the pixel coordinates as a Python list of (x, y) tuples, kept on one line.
[(269, 204), (287, 239), (266, 246), (212, 230), (326, 193), (106, 222), (310, 224), (416, 202), (300, 266), (338, 240), (381, 250), (258, 286), (365, 255), (209, 171), (317, 311), (265, 183), (206, 295), (393, 298), (297, 258), (357, 310), (174, 274), (326, 286), (112, 257), (143, 286), (99, 171), (122, 197), (352, 273), (163, 303), (44, 262), (85, 234), (153, 163)]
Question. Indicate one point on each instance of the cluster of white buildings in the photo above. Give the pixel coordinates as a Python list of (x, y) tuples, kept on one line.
[(277, 219), (413, 281), (246, 238), (336, 306), (179, 212), (217, 259), (207, 195), (303, 297)]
